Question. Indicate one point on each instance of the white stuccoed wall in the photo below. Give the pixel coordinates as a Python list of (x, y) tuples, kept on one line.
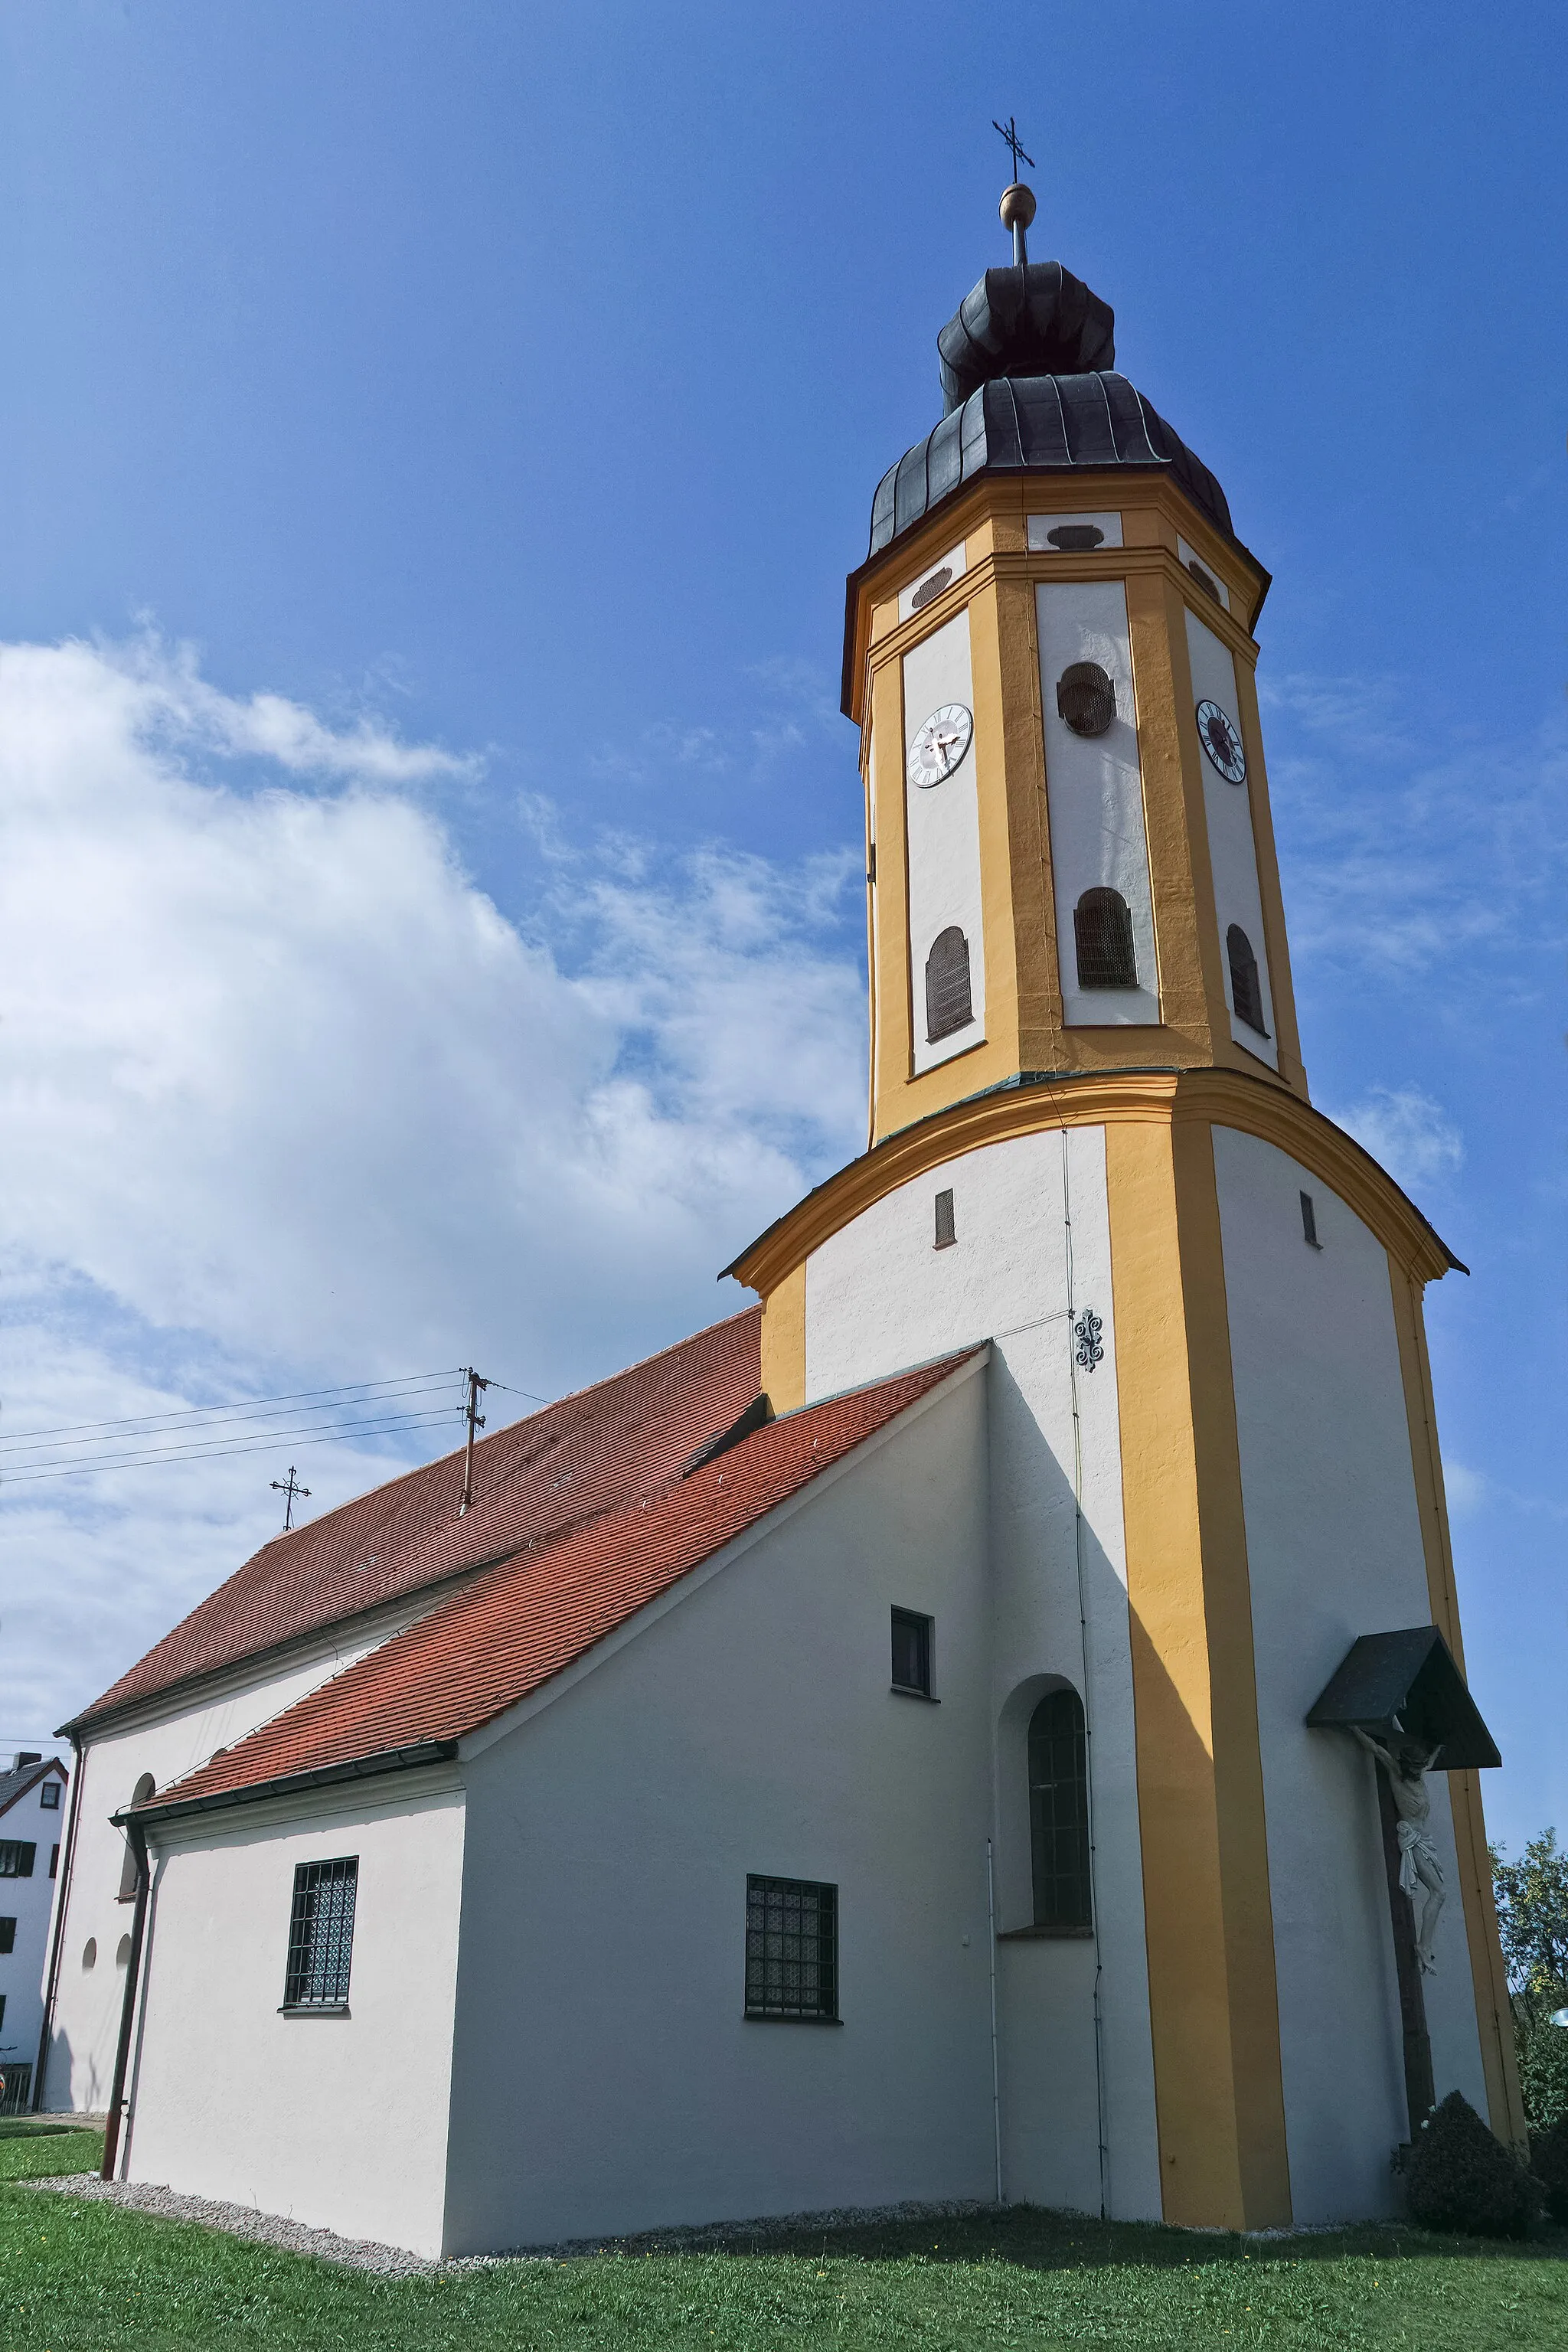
[(167, 1742), (878, 1296), (605, 2079), (942, 827), (340, 2122), (1094, 789), (30, 1902), (1335, 1548), (1232, 851)]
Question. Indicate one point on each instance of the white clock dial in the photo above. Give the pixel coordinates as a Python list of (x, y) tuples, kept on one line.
[(1219, 738), (940, 744)]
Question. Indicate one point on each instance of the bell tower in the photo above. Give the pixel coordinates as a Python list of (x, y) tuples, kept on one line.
[(1049, 654), (1208, 1467)]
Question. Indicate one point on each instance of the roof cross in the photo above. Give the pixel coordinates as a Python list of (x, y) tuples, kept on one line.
[(1010, 133), (292, 1491)]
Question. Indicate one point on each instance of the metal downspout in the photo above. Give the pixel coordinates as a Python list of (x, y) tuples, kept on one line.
[(56, 1944), (138, 1837)]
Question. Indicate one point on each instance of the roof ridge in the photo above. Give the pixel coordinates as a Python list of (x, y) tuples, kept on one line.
[(516, 1655)]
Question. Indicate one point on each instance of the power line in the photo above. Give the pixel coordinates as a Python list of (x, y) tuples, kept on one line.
[(241, 1445), (253, 1406)]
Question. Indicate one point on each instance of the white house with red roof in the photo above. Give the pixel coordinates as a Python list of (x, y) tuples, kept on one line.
[(31, 1813), (895, 1745)]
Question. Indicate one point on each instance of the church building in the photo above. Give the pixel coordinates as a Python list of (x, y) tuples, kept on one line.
[(862, 1754)]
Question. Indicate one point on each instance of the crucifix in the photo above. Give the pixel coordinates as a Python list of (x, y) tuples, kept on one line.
[(1010, 135), (291, 1492)]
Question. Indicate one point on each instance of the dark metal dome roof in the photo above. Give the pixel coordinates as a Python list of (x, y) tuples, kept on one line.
[(1027, 375)]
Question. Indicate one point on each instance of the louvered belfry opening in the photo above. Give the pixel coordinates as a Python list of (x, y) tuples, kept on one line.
[(948, 1006), (1246, 988), (1102, 934), (1059, 1811)]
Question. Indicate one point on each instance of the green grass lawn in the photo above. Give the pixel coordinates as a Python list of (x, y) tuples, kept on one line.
[(76, 2277)]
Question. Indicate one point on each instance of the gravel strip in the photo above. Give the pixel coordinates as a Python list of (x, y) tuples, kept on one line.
[(394, 2262)]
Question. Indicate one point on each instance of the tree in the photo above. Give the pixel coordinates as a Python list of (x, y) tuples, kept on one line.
[(1532, 1897)]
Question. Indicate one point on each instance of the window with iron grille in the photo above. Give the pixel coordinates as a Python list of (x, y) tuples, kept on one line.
[(17, 1858), (792, 1948), (1059, 1811), (321, 1934), (912, 1652)]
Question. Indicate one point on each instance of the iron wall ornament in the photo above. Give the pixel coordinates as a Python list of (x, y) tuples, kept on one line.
[(941, 745), (1219, 738), (1086, 1331)]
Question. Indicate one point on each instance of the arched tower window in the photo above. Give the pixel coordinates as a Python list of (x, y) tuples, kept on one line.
[(139, 1796), (1246, 988), (947, 985), (1102, 932), (1059, 1811)]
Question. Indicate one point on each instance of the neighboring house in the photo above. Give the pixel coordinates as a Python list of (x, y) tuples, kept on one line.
[(30, 1819), (863, 1753)]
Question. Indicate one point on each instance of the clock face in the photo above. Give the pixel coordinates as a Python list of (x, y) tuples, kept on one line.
[(940, 744), (1220, 741)]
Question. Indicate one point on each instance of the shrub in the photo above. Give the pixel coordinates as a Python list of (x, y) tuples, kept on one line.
[(1541, 2049), (1458, 2177), (1549, 2162)]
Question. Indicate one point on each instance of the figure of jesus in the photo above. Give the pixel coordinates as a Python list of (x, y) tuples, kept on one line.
[(1419, 1866)]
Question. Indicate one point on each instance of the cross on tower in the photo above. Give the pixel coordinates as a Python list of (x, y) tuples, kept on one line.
[(291, 1490), (1010, 133)]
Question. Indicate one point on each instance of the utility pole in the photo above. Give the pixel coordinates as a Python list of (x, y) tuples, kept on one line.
[(476, 1420), (292, 1491)]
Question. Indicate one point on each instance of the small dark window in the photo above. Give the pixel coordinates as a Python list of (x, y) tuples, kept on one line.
[(912, 1652), (49, 1796), (1059, 1811), (792, 1948), (8, 1934), (54, 1861), (1246, 990), (945, 1235), (2, 2009), (321, 1934), (17, 1858), (948, 1004), (1103, 933), (1310, 1222)]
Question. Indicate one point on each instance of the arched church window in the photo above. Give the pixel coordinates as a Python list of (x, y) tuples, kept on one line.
[(1103, 933), (139, 1796), (1059, 1811), (948, 1006), (1246, 988)]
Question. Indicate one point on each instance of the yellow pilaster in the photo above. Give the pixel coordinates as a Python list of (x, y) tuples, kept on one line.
[(1214, 2006)]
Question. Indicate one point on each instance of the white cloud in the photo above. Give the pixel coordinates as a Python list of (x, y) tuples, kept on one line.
[(1410, 1134), (1467, 1489), (285, 1099)]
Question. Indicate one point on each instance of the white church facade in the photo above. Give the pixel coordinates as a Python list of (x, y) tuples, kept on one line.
[(862, 1754)]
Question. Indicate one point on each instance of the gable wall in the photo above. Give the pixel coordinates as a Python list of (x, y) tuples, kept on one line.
[(604, 2078), (340, 2122)]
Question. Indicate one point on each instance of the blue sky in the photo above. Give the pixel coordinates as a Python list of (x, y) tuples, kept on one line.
[(435, 440)]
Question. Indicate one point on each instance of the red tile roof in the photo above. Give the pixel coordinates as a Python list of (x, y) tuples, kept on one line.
[(594, 1452), (508, 1630)]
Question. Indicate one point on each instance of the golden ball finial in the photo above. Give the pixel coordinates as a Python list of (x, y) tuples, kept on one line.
[(1017, 207)]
